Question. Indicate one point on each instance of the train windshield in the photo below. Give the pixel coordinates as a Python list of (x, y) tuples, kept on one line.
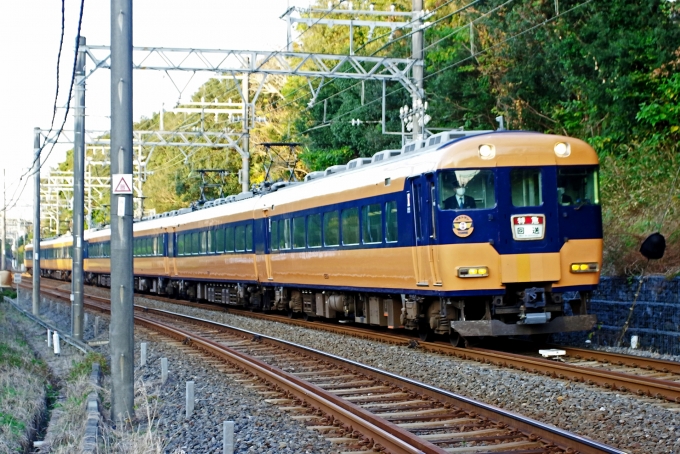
[(526, 187), (466, 189), (577, 186)]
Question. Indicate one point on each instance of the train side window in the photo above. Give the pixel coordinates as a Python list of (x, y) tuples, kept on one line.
[(314, 230), (371, 218), (229, 243), (526, 187), (350, 226), (211, 241), (284, 234), (299, 233), (180, 244), (273, 235), (391, 229), (331, 229), (219, 233), (204, 242), (148, 247), (249, 237), (155, 246), (240, 242), (194, 243)]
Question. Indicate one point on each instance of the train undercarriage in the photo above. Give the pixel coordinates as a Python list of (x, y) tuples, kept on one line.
[(533, 311)]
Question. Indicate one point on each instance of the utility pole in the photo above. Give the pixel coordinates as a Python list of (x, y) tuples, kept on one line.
[(78, 196), (4, 221), (245, 159), (121, 329), (36, 223), (418, 67)]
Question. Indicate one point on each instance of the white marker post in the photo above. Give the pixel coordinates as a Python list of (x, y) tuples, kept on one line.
[(228, 437), (17, 280), (164, 370), (49, 337), (190, 399), (143, 354), (55, 340)]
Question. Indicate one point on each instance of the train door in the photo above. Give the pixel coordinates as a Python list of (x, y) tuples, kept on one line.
[(267, 244), (171, 262), (422, 199)]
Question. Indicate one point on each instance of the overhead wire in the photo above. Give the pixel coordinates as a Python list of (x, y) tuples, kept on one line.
[(15, 198)]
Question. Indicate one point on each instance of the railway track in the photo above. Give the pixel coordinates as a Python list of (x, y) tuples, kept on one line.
[(648, 377), (364, 408)]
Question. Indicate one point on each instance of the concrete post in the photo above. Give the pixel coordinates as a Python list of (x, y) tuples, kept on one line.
[(190, 399), (78, 195), (418, 67), (121, 328), (57, 345), (142, 354), (228, 436), (245, 159), (164, 370), (49, 337)]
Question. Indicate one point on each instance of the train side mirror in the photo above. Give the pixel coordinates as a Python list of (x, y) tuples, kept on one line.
[(654, 246)]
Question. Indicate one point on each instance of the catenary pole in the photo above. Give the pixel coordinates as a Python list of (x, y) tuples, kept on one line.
[(418, 71), (121, 330), (245, 159), (4, 221), (36, 223), (78, 196)]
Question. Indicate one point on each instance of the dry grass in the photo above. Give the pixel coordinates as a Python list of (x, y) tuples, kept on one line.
[(68, 429), (23, 380)]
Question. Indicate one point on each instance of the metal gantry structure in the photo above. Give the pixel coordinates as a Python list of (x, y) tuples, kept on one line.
[(122, 59)]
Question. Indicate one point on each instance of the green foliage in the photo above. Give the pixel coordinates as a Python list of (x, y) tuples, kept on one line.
[(84, 367), (8, 292), (18, 428)]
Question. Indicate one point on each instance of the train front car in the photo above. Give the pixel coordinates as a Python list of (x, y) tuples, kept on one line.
[(510, 230)]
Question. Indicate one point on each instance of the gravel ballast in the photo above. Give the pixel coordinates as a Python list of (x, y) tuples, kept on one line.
[(621, 420)]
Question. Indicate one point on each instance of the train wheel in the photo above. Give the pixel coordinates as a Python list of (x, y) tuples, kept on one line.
[(425, 332), (455, 338), (306, 317), (291, 314)]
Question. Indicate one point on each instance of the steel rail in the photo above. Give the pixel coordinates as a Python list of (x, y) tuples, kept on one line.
[(534, 429), (656, 364)]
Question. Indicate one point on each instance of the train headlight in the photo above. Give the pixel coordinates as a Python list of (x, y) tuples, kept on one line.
[(562, 149), (585, 267), (473, 271), (487, 151)]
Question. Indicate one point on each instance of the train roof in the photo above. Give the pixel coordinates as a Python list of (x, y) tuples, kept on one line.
[(386, 172)]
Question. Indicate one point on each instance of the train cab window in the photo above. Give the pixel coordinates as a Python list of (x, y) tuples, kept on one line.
[(240, 240), (331, 229), (350, 226), (204, 242), (577, 186), (391, 233), (273, 235), (526, 187), (284, 234), (314, 230), (229, 242), (180, 244), (219, 240), (469, 189), (249, 237), (371, 220), (194, 243), (299, 241)]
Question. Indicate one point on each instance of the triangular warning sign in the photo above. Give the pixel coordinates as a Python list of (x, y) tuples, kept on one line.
[(122, 186)]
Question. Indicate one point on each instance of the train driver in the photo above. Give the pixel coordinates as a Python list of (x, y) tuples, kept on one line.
[(459, 200)]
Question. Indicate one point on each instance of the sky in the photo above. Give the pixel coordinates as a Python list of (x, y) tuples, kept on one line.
[(29, 43)]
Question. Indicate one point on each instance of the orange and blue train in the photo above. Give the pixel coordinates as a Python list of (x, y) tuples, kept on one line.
[(462, 234)]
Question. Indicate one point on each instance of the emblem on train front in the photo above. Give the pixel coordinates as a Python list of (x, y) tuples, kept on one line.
[(462, 226)]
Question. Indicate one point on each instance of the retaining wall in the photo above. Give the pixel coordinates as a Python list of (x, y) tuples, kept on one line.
[(655, 320)]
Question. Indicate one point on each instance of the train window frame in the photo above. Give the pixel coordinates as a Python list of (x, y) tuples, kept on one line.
[(240, 238), (220, 240), (284, 234), (375, 237), (299, 232), (249, 237), (195, 243), (350, 230), (485, 178), (203, 242), (180, 244), (211, 241), (524, 182), (155, 246), (389, 222), (329, 230), (273, 235), (314, 230), (229, 245), (578, 185)]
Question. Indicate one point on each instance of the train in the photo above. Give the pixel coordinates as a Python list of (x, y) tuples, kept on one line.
[(463, 234)]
